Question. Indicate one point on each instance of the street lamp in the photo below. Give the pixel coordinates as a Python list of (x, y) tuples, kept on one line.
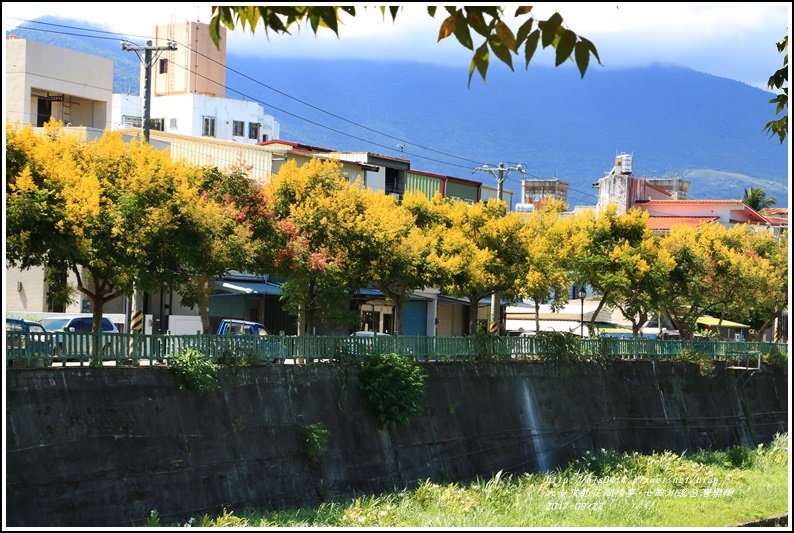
[(582, 296)]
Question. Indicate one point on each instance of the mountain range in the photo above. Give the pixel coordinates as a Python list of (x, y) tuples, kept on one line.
[(673, 120)]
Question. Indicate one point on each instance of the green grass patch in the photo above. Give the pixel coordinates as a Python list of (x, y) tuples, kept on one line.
[(600, 489)]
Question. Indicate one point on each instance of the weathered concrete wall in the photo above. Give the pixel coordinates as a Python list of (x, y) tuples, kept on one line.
[(104, 447)]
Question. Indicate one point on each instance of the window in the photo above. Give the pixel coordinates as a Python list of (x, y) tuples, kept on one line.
[(157, 124), (163, 66), (132, 122), (253, 130), (172, 124), (238, 126), (209, 127), (56, 281)]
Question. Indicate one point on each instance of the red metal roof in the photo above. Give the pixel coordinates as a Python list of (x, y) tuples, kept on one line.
[(665, 223), (752, 215), (296, 146), (690, 202)]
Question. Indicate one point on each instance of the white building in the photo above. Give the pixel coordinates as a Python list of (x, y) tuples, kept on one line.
[(188, 92)]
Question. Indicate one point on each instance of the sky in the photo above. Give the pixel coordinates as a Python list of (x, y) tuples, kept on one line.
[(733, 40)]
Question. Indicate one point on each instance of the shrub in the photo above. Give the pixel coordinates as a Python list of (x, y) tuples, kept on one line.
[(489, 347), (393, 387), (240, 357), (559, 348), (312, 440), (703, 360), (774, 357), (194, 371), (740, 457)]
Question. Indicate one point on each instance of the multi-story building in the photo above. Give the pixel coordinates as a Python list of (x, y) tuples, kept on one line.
[(44, 81), (188, 88)]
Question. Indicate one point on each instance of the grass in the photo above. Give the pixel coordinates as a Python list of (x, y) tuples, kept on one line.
[(600, 489)]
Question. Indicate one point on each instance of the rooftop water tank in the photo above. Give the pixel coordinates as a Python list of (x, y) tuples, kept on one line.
[(625, 163), (524, 208)]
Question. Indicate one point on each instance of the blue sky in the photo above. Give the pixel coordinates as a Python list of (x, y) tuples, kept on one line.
[(732, 40)]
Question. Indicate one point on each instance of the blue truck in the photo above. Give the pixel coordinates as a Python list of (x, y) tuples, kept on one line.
[(27, 343), (243, 338)]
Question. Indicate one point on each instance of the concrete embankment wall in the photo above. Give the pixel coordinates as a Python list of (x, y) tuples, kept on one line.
[(104, 447)]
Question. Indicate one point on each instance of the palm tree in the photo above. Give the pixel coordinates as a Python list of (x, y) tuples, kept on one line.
[(756, 198)]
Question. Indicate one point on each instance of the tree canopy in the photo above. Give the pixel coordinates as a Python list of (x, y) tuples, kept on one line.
[(104, 210), (115, 214), (487, 22)]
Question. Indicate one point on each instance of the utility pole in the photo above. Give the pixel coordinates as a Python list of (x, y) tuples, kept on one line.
[(500, 173), (148, 61), (136, 319)]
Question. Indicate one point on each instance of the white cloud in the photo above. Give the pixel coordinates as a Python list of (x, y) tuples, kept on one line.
[(732, 40)]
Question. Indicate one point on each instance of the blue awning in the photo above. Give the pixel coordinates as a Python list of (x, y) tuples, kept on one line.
[(248, 287)]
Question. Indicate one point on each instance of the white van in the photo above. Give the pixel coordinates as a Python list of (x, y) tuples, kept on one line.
[(76, 347)]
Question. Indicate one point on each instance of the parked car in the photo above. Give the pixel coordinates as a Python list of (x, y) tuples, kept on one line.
[(251, 337), (363, 342), (369, 334), (78, 346), (22, 340)]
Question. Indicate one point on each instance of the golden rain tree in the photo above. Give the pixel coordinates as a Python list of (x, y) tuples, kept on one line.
[(397, 264), (227, 228), (479, 249), (744, 270), (639, 283), (767, 306), (105, 210), (724, 271), (610, 251), (550, 246), (319, 215)]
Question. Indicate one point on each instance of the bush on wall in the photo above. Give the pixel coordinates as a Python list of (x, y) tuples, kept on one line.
[(393, 387), (194, 371)]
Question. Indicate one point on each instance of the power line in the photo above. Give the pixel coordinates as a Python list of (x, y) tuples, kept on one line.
[(401, 142), (254, 99)]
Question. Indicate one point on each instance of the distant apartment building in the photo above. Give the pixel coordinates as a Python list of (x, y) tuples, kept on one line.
[(535, 193)]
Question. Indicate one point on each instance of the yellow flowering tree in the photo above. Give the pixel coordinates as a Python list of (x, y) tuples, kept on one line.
[(613, 249), (727, 272), (319, 215), (479, 249), (397, 264), (551, 243), (107, 211)]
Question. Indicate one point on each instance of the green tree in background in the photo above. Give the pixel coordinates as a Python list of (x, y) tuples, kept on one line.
[(777, 81), (756, 198)]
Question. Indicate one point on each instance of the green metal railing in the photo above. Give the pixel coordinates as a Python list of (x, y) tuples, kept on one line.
[(24, 349)]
